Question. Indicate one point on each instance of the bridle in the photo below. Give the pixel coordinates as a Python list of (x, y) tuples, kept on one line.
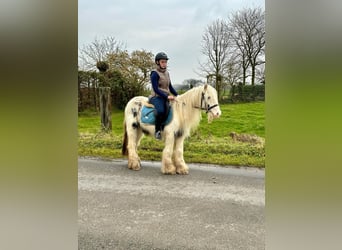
[(207, 109)]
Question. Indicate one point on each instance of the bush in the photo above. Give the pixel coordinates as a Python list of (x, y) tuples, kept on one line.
[(247, 93)]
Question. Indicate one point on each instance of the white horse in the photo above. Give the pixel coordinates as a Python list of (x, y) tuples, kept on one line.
[(186, 116)]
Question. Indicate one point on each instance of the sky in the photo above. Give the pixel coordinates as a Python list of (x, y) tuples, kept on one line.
[(172, 26)]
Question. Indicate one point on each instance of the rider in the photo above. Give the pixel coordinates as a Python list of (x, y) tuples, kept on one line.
[(161, 85)]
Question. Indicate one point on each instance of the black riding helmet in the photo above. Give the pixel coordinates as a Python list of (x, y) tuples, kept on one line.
[(160, 56)]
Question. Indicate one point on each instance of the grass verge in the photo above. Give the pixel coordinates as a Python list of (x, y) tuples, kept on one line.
[(210, 143)]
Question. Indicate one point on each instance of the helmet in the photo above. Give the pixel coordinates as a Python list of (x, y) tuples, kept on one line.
[(161, 55)]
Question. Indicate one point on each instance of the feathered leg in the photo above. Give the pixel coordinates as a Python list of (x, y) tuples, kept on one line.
[(181, 167), (167, 164)]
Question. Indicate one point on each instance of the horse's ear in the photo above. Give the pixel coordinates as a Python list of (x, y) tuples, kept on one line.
[(205, 86)]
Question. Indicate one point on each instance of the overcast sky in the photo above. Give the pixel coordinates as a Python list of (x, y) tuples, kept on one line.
[(173, 26)]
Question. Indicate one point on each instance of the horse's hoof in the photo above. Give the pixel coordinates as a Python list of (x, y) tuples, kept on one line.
[(182, 171), (134, 165), (169, 173), (169, 170)]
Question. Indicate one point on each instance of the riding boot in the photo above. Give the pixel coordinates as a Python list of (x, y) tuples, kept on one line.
[(166, 114), (158, 124)]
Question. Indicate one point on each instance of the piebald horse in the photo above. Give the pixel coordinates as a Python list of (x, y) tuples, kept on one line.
[(186, 117)]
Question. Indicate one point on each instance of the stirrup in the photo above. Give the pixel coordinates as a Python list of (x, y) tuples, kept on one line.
[(158, 135)]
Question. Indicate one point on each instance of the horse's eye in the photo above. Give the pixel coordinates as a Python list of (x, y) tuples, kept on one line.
[(208, 97)]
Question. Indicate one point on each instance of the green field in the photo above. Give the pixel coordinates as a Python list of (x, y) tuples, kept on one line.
[(210, 143)]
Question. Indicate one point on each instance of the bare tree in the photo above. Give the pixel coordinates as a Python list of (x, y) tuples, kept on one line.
[(232, 71), (97, 51), (260, 74), (248, 32), (215, 46)]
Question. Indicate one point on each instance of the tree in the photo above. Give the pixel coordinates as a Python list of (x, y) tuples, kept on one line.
[(97, 51), (215, 46), (232, 71), (88, 82), (260, 74), (142, 63), (102, 66), (126, 73), (248, 32), (134, 68), (190, 83)]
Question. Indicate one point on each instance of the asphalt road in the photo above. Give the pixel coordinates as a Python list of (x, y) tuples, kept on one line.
[(211, 208)]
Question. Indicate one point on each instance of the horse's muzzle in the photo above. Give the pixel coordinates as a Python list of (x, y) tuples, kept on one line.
[(217, 115), (216, 112)]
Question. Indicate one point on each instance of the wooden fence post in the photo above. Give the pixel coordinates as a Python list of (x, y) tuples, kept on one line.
[(105, 108)]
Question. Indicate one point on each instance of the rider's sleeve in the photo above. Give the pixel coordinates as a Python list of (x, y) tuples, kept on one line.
[(172, 90)]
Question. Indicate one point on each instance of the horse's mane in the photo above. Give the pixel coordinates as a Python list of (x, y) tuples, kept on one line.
[(184, 106)]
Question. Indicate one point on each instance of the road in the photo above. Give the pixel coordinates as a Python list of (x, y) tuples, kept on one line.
[(211, 208)]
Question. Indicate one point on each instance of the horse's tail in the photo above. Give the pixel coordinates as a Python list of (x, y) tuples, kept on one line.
[(125, 141)]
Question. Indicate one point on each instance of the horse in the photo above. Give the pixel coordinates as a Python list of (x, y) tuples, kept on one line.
[(186, 116)]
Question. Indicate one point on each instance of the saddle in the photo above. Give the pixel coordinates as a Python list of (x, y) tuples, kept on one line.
[(148, 116)]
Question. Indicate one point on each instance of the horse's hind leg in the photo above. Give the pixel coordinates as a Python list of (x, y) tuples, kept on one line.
[(181, 167), (134, 135)]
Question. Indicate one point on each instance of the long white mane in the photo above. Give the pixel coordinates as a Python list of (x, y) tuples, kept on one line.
[(184, 107)]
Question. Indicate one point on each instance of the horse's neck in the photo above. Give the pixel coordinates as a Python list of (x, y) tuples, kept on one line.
[(191, 101), (192, 97)]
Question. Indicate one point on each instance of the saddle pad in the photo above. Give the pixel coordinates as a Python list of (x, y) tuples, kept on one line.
[(147, 116)]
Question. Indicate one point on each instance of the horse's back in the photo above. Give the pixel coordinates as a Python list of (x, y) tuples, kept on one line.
[(137, 100)]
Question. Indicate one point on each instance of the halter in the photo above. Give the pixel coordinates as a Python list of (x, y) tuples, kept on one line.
[(207, 109)]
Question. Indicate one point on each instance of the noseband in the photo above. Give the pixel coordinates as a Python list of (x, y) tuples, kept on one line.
[(207, 109)]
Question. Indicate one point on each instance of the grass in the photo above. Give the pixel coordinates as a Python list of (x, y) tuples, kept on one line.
[(210, 143)]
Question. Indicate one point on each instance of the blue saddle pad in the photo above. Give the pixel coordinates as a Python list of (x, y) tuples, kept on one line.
[(147, 116)]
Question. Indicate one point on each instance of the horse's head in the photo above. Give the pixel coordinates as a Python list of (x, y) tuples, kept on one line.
[(209, 102)]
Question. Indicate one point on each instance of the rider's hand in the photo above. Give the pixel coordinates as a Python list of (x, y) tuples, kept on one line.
[(171, 97)]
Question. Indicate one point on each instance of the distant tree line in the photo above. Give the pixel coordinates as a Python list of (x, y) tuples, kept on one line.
[(231, 93)]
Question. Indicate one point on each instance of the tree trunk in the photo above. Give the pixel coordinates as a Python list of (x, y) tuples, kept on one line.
[(241, 92), (218, 84), (253, 74), (105, 108), (89, 94), (253, 82), (243, 75), (232, 93), (94, 95)]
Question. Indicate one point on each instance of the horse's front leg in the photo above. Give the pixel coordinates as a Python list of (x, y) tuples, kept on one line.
[(134, 136), (167, 164), (181, 167)]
